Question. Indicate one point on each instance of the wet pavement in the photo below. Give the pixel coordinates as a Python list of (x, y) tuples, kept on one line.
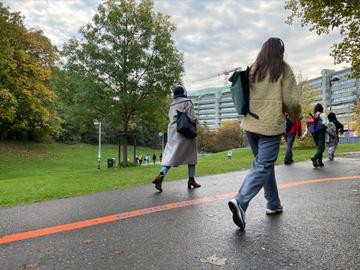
[(193, 229)]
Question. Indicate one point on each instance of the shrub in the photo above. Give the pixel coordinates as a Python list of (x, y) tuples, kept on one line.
[(228, 135)]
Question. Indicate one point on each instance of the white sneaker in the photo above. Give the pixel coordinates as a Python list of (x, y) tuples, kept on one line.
[(276, 211), (238, 214)]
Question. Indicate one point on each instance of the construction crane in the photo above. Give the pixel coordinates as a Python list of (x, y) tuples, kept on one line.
[(225, 73)]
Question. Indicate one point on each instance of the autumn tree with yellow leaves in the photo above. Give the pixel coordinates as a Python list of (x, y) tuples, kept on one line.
[(26, 100)]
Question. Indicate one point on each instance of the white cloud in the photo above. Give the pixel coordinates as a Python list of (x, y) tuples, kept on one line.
[(60, 20), (213, 35)]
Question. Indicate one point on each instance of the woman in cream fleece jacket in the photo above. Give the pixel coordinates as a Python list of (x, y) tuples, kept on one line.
[(273, 92)]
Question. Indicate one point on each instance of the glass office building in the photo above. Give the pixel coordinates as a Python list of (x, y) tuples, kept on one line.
[(214, 105), (336, 90)]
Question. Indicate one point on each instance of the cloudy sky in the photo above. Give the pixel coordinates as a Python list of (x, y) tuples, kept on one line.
[(213, 35)]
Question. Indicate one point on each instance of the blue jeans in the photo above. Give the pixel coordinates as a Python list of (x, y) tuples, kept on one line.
[(262, 173), (289, 144), (191, 170)]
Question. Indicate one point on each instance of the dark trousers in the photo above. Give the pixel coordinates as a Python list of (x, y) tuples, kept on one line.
[(319, 138), (289, 144)]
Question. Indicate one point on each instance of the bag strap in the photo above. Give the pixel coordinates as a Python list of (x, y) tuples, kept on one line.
[(254, 115)]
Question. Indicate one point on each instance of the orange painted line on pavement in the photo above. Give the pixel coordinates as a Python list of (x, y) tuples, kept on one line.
[(146, 211), (319, 180)]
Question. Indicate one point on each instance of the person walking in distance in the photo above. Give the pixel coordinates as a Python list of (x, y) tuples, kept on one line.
[(316, 125), (293, 128), (332, 134), (179, 149), (273, 91), (154, 158)]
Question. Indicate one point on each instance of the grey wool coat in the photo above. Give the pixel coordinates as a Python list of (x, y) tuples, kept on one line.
[(179, 149)]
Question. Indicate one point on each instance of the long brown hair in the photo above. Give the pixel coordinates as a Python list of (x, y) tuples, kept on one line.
[(270, 60)]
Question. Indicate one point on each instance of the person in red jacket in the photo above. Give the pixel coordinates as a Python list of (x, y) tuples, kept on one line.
[(293, 128)]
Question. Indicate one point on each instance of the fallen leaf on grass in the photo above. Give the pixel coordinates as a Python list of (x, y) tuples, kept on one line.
[(31, 264), (214, 260)]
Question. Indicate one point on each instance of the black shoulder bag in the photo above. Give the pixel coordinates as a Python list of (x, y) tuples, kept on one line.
[(184, 125)]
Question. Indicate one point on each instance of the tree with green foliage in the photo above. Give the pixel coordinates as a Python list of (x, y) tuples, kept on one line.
[(128, 53), (356, 118), (26, 100), (325, 16), (307, 106), (77, 102)]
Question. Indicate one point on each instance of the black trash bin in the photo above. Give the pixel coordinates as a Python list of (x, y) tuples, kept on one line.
[(110, 162)]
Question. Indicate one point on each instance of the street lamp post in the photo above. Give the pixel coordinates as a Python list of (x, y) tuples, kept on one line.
[(161, 135), (335, 79), (98, 123)]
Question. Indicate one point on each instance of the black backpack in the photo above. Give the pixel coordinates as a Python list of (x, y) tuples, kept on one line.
[(241, 93)]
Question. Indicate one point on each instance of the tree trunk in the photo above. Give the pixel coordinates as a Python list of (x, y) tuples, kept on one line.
[(135, 149), (119, 150), (125, 142)]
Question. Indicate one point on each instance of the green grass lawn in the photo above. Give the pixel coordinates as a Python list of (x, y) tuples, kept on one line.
[(32, 172)]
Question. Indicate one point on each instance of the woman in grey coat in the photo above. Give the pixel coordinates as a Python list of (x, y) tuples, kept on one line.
[(179, 149)]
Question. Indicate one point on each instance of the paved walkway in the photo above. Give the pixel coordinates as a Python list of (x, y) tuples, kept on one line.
[(139, 228)]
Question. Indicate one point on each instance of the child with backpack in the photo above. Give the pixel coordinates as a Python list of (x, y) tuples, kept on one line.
[(316, 125), (332, 134)]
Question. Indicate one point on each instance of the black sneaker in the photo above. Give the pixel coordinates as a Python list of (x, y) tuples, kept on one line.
[(315, 163), (238, 214), (287, 162), (320, 163)]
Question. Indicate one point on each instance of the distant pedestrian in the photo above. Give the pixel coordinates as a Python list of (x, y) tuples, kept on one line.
[(147, 159), (160, 157), (293, 128), (332, 134), (316, 125), (179, 149), (141, 158), (154, 158), (229, 154), (273, 91)]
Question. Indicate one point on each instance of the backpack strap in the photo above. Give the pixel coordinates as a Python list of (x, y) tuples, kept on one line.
[(254, 115)]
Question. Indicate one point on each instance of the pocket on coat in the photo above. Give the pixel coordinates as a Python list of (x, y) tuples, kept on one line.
[(270, 112)]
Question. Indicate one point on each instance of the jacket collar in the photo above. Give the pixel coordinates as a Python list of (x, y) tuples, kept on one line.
[(179, 100)]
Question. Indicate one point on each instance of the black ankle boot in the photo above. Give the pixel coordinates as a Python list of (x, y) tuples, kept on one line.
[(320, 163), (192, 183), (158, 182), (314, 161)]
